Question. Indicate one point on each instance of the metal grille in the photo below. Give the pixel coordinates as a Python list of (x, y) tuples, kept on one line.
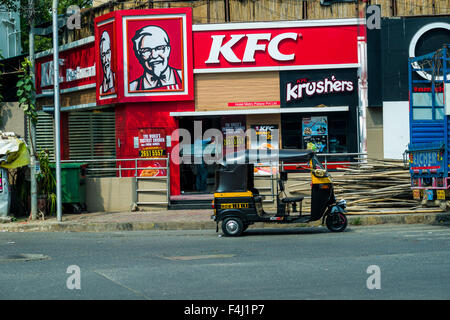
[(92, 136), (45, 134)]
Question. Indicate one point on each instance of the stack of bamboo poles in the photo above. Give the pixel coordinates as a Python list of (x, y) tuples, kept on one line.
[(373, 187), (376, 186)]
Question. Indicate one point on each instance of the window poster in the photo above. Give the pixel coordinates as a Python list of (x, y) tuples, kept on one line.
[(233, 130), (266, 139), (152, 144), (315, 133)]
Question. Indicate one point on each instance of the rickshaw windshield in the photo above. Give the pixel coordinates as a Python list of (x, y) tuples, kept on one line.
[(316, 164)]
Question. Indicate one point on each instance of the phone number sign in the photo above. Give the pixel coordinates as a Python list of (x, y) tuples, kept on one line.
[(152, 143)]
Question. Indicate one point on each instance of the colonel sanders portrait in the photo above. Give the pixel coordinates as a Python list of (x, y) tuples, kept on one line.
[(107, 85), (151, 45)]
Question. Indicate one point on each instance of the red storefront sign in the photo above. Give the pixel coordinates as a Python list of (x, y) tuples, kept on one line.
[(106, 60), (153, 54), (270, 46), (151, 51), (113, 61), (76, 68)]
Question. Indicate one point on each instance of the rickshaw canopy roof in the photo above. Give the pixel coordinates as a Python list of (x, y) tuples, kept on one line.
[(253, 156), (237, 171)]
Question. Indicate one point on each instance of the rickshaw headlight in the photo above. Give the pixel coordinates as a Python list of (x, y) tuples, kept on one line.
[(319, 173)]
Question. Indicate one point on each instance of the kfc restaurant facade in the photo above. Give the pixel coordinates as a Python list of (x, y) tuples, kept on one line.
[(155, 72)]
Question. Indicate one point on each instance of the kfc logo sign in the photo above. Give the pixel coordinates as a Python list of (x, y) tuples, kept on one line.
[(106, 60), (254, 43), (156, 57), (270, 46), (145, 56), (108, 77), (151, 45)]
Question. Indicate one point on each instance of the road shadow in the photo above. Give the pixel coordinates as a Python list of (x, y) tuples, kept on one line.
[(286, 231), (442, 219)]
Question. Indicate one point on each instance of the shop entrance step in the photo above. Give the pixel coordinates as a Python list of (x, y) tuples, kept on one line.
[(190, 204)]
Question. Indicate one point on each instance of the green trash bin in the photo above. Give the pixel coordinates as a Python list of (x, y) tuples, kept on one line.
[(73, 185)]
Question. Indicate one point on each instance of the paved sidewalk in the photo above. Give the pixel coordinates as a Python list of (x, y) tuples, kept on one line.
[(192, 220)]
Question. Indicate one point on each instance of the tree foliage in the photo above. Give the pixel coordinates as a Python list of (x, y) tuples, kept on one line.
[(46, 181), (26, 91)]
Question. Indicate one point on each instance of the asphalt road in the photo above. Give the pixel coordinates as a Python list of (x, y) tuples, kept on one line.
[(396, 261)]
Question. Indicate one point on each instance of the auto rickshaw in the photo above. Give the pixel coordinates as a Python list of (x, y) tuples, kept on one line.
[(238, 204)]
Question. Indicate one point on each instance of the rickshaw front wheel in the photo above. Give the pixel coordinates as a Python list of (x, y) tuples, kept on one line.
[(232, 227), (337, 222)]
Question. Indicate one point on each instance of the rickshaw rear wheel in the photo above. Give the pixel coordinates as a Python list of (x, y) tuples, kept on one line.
[(232, 227), (336, 223)]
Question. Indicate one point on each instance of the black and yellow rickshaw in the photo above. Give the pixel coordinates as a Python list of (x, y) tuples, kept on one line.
[(238, 204)]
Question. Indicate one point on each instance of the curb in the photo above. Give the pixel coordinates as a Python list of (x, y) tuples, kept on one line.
[(53, 226)]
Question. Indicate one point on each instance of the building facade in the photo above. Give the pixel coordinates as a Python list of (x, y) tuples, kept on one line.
[(295, 70), (10, 44), (388, 51), (296, 78)]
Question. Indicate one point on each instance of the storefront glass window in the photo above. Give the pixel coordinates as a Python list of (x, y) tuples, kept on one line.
[(198, 175), (337, 140), (338, 144)]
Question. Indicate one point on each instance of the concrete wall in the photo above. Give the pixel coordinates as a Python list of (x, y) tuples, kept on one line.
[(152, 190), (12, 118), (374, 121), (395, 128), (110, 194)]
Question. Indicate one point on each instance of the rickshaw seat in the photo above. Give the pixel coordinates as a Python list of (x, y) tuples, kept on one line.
[(292, 199)]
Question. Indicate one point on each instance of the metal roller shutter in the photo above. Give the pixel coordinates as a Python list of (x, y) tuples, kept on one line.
[(92, 137), (45, 133)]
